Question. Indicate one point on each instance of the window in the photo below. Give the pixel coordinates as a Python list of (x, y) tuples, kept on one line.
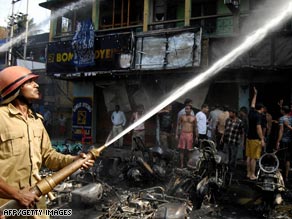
[(120, 13), (66, 24), (204, 8)]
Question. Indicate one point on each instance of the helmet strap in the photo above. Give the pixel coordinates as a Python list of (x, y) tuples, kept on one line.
[(10, 98)]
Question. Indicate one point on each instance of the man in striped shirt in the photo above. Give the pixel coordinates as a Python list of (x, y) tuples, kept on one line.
[(232, 137)]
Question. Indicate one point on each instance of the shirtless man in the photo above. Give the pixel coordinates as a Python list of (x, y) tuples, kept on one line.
[(188, 125)]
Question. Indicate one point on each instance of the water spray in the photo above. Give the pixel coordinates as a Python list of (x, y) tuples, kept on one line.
[(56, 14)]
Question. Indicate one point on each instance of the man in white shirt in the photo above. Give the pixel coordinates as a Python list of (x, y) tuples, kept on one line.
[(119, 121), (202, 121)]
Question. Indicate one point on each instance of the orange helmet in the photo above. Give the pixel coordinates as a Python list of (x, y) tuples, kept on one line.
[(13, 77)]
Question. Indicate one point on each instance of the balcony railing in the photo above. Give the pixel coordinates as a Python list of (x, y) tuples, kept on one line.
[(211, 26)]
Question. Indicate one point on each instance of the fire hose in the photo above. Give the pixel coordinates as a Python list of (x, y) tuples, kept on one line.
[(47, 184)]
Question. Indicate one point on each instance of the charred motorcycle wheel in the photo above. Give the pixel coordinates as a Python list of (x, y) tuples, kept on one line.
[(207, 192), (203, 193), (182, 188)]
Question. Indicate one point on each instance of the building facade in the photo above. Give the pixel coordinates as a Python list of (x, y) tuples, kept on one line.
[(132, 52)]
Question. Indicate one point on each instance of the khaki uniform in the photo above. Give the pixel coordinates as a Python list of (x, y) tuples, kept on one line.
[(24, 148)]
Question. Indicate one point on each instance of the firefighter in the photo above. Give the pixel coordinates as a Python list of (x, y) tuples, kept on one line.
[(25, 145)]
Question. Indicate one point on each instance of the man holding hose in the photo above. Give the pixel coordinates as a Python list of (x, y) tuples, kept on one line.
[(25, 145)]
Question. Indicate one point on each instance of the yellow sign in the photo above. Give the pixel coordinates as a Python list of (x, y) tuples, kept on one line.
[(81, 117)]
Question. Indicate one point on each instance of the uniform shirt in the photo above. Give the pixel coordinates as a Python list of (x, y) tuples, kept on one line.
[(118, 118), (24, 148), (233, 131)]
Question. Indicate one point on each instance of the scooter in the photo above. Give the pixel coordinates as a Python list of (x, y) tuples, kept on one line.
[(270, 182)]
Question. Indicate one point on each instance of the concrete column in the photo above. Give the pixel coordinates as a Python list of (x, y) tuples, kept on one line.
[(187, 12), (95, 14), (236, 22), (53, 25), (146, 16)]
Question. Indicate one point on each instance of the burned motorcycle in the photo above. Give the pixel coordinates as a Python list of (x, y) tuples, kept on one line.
[(147, 203), (204, 176), (147, 165), (270, 182)]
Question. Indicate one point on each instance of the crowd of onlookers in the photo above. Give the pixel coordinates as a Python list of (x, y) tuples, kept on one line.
[(244, 133)]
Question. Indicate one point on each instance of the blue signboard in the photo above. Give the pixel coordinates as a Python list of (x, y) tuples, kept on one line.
[(81, 117), (83, 44)]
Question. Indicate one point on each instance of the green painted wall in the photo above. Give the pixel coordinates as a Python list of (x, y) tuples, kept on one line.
[(224, 25)]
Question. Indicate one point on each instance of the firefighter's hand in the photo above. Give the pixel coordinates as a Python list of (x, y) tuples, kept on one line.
[(88, 163), (26, 198)]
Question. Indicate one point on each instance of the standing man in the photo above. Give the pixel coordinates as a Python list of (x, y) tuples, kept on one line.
[(232, 137), (139, 131), (220, 126), (119, 121), (187, 126), (213, 119), (284, 141), (187, 102), (165, 121), (243, 116), (255, 138), (24, 142), (202, 121)]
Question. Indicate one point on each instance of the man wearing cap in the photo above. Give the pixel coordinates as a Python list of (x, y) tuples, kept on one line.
[(24, 142)]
